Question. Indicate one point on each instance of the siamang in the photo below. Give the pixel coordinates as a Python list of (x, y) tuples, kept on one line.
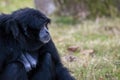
[(27, 51)]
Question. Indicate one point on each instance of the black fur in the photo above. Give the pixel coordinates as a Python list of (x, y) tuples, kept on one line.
[(15, 39)]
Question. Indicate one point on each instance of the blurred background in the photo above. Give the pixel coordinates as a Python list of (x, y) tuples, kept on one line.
[(86, 33)]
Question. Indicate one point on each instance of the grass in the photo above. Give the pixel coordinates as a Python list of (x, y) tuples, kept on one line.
[(101, 36), (7, 6), (90, 35)]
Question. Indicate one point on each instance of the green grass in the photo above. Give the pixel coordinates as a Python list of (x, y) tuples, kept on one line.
[(102, 36), (105, 64), (7, 6)]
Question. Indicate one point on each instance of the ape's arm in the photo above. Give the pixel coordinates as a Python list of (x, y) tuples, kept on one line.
[(2, 60), (50, 48), (61, 72), (28, 60)]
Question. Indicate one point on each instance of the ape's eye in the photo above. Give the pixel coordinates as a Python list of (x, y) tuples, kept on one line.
[(47, 22), (46, 25)]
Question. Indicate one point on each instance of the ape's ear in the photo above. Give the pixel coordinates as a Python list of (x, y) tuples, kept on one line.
[(12, 27)]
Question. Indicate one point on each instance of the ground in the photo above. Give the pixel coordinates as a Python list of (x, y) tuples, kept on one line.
[(90, 49)]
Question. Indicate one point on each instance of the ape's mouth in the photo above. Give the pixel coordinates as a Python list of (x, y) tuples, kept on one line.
[(45, 39)]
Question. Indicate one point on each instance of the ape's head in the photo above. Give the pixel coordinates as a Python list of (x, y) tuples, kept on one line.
[(33, 24), (28, 27)]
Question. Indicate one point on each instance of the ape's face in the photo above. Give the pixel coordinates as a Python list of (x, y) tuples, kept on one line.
[(39, 34), (44, 35)]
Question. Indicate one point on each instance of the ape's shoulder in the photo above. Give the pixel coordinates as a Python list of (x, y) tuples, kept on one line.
[(4, 19)]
